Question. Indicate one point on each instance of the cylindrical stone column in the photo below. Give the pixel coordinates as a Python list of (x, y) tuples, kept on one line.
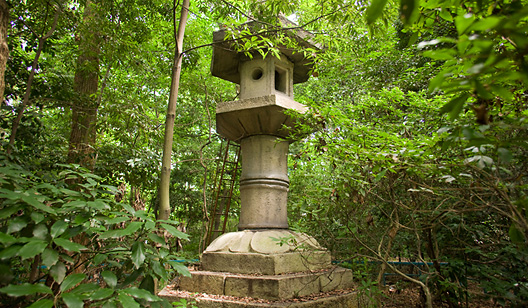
[(264, 183)]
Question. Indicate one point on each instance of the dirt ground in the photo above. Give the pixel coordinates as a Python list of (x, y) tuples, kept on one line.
[(410, 298)]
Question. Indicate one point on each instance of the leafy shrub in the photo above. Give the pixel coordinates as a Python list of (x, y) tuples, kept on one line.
[(64, 240)]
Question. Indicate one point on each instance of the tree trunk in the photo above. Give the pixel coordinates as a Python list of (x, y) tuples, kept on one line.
[(84, 110), (4, 49), (164, 205)]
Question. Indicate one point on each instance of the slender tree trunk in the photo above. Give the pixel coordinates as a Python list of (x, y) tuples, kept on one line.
[(25, 100), (4, 48), (84, 110), (164, 205)]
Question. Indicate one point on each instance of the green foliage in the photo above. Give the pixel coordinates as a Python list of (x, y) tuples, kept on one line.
[(58, 223)]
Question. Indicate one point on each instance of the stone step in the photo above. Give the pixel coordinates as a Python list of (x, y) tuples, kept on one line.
[(342, 299), (270, 287)]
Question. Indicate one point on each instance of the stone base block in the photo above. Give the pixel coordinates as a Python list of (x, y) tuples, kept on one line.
[(341, 299), (270, 287), (262, 264)]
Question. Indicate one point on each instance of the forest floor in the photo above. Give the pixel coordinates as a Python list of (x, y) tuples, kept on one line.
[(410, 297)]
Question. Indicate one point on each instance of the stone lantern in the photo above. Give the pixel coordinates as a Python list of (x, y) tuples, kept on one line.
[(264, 259)]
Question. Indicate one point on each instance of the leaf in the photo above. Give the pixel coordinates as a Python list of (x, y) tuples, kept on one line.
[(49, 257), (58, 272), (156, 238), (99, 258), (25, 289), (463, 22), (516, 236), (43, 303), (40, 231), (486, 24), (32, 249), (38, 205), (374, 10), (7, 239), (16, 224), (138, 254), (140, 293), (159, 269), (127, 301), (505, 155), (110, 278), (58, 228), (68, 245), (130, 229), (180, 268), (37, 217), (71, 281), (9, 252), (407, 9), (72, 300), (454, 107), (380, 175), (175, 232), (101, 294)]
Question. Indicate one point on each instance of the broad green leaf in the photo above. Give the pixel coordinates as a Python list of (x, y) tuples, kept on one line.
[(516, 236), (454, 107), (180, 268), (85, 288), (72, 300), (407, 9), (58, 272), (99, 258), (43, 303), (7, 239), (127, 301), (25, 289), (440, 54), (462, 22), (37, 217), (101, 294), (109, 304), (58, 228), (9, 252), (156, 238), (130, 229), (505, 155), (140, 293), (9, 210), (49, 257), (68, 245), (98, 205), (71, 281), (40, 231), (486, 24), (159, 269), (175, 232), (380, 175), (38, 205), (16, 224), (138, 254), (110, 278), (32, 249), (374, 10)]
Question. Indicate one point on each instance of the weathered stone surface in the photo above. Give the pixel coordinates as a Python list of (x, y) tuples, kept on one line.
[(255, 263), (270, 287), (346, 299), (205, 282), (226, 60), (273, 241), (264, 115), (337, 278)]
